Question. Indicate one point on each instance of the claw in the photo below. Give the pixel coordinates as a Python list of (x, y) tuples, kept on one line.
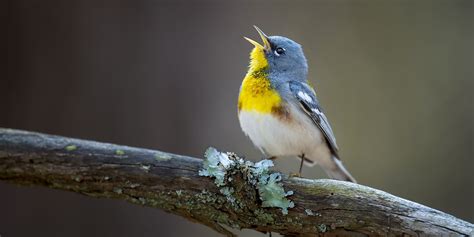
[(298, 175)]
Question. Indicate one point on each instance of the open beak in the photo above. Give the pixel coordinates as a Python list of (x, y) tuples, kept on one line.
[(266, 44)]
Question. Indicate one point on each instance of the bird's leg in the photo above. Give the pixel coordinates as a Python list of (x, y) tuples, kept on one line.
[(301, 164), (303, 158)]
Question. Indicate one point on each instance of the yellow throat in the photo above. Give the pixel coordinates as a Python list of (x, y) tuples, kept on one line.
[(256, 92)]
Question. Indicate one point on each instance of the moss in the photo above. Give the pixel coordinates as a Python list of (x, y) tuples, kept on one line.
[(206, 197), (160, 199), (263, 216), (71, 148), (152, 202), (222, 218)]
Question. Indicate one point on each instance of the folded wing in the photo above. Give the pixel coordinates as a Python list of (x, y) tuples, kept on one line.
[(310, 105)]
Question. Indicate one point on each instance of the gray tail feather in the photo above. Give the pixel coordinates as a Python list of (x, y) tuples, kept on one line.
[(339, 172)]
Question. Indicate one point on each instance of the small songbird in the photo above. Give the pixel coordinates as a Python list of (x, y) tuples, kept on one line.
[(279, 111)]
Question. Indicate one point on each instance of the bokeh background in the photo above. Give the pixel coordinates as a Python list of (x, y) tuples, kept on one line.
[(395, 78)]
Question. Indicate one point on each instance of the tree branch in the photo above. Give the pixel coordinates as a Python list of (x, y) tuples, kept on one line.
[(171, 182)]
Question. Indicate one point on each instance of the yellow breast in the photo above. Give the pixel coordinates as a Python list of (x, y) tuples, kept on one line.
[(257, 95), (256, 92)]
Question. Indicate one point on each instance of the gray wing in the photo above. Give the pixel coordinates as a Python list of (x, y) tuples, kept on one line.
[(310, 105)]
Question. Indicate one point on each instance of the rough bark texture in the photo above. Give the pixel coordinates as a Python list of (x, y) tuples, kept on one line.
[(171, 182)]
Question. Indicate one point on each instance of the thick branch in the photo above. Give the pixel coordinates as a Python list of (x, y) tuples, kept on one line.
[(171, 182)]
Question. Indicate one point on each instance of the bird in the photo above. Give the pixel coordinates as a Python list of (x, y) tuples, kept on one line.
[(279, 111)]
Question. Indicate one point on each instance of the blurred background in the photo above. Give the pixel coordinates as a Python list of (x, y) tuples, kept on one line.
[(395, 79)]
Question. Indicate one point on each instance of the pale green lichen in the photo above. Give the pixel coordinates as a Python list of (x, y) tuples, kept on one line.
[(161, 156), (77, 178), (272, 193), (309, 212), (132, 185), (205, 197), (179, 192), (118, 190), (71, 148), (119, 152), (215, 165), (262, 167), (228, 193), (270, 190), (322, 228)]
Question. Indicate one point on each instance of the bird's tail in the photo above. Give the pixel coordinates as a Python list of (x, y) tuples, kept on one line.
[(338, 171)]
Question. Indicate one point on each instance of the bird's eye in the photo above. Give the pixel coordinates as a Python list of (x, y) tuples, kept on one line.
[(279, 51)]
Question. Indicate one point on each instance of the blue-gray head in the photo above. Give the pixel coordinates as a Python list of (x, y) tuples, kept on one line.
[(283, 57)]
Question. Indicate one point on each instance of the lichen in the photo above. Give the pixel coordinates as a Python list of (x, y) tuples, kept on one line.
[(162, 156), (118, 190), (77, 178), (322, 228), (215, 165), (133, 185), (205, 197), (70, 147), (228, 193), (262, 167), (272, 193), (219, 164), (119, 152), (310, 212)]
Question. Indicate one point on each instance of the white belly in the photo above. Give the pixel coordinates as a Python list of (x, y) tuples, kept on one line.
[(276, 137)]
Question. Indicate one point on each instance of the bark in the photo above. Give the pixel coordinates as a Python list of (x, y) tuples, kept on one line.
[(171, 182)]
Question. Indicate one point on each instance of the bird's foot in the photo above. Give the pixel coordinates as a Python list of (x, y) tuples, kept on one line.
[(298, 175)]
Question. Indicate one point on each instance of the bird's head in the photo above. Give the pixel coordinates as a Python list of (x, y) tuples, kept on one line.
[(278, 55)]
